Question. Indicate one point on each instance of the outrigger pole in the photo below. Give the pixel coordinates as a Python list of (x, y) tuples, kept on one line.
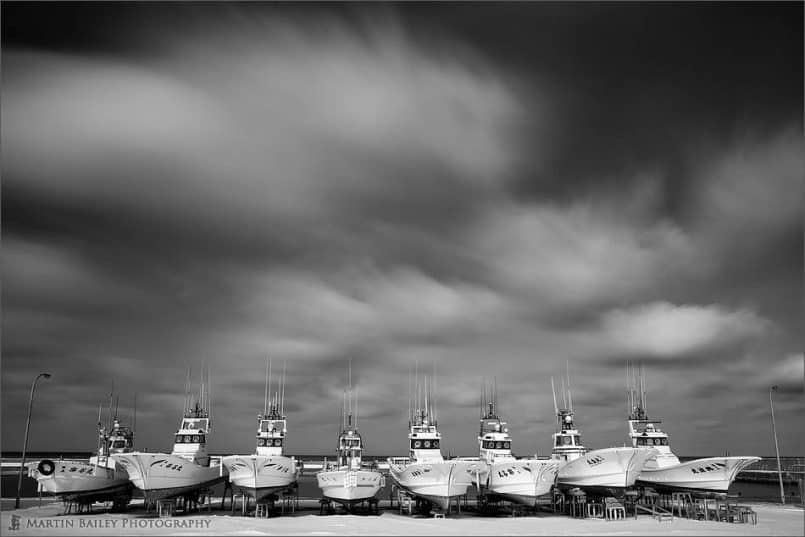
[(569, 394), (111, 395), (186, 393), (553, 391)]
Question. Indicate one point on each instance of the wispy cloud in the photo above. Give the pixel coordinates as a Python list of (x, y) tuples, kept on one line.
[(662, 329)]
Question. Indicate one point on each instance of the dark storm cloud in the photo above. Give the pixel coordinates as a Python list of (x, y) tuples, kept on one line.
[(492, 190), (650, 87)]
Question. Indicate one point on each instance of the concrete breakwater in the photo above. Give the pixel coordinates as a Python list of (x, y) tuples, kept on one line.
[(766, 471)]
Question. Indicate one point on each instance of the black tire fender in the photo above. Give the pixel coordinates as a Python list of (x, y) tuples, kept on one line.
[(46, 467)]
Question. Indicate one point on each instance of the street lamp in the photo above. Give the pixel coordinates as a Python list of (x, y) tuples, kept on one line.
[(25, 442), (776, 448)]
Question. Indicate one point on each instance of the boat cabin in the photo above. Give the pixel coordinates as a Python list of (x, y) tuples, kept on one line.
[(271, 431), (119, 439), (567, 444), (424, 440), (350, 448), (646, 433), (494, 441), (191, 439)]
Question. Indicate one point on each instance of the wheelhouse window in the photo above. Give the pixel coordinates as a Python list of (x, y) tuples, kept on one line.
[(566, 440), (190, 438), (577, 440), (199, 423), (424, 444), (261, 442), (266, 426), (350, 443)]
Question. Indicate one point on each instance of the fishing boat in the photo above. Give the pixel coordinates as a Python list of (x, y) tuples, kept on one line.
[(268, 471), (425, 474), (523, 480), (188, 468), (664, 472), (349, 480), (606, 471), (99, 479)]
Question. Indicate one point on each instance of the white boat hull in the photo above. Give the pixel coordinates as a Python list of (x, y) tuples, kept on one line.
[(522, 481), (349, 487), (713, 474), (436, 482), (604, 470), (160, 475), (80, 480), (261, 475)]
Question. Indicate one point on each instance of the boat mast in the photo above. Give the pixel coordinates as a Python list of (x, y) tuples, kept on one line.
[(209, 388), (426, 396), (628, 392), (410, 414), (416, 385), (344, 412), (435, 395), (282, 399), (265, 389), (569, 394), (201, 388), (101, 447), (483, 399)]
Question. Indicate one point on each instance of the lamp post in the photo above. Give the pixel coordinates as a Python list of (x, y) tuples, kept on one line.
[(776, 448), (25, 442)]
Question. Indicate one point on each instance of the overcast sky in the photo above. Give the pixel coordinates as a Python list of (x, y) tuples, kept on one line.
[(493, 190)]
